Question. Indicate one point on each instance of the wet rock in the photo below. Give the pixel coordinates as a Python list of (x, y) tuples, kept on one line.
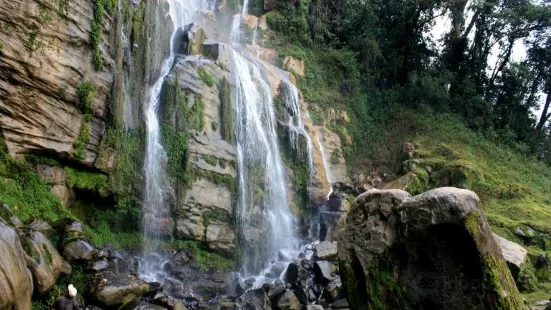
[(256, 299), (444, 238), (340, 304), (16, 282), (333, 290), (276, 269), (288, 301), (146, 306), (326, 250), (291, 273), (99, 265), (111, 289), (44, 261), (181, 258), (274, 290), (78, 249), (324, 272), (541, 303), (314, 307), (307, 264)]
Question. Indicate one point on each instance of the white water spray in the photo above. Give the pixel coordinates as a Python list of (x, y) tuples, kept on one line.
[(181, 13)]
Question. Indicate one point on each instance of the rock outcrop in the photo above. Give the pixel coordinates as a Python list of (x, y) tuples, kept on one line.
[(433, 250), (45, 56), (111, 289), (16, 282)]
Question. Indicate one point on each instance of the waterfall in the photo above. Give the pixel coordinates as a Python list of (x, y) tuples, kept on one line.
[(155, 209), (265, 221)]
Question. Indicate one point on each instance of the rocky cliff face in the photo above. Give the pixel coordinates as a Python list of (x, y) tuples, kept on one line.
[(45, 54)]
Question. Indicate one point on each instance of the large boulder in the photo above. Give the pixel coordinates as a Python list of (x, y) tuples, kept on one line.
[(433, 250), (44, 261), (16, 283), (112, 289)]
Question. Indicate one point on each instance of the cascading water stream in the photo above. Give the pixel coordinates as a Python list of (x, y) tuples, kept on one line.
[(181, 13), (265, 221)]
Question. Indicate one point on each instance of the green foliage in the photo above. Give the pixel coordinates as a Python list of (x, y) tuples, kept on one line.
[(81, 142), (290, 20), (195, 116), (97, 25), (84, 180), (214, 126), (316, 117), (527, 280), (226, 112), (86, 92), (256, 7), (211, 160), (205, 77), (207, 260), (25, 191), (216, 178), (216, 214), (175, 144), (296, 161), (48, 254)]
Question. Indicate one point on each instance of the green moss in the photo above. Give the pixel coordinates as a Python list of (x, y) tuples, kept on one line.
[(84, 180), (419, 182), (498, 282), (226, 112), (95, 34), (195, 117), (527, 281), (295, 160), (86, 92), (211, 160), (207, 260), (81, 142), (217, 214), (205, 77), (175, 144), (47, 254), (214, 126), (216, 178), (30, 250)]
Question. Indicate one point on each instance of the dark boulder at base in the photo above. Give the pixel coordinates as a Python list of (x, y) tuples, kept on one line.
[(431, 251), (78, 249)]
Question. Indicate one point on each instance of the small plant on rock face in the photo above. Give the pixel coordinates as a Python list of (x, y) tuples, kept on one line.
[(205, 77), (86, 93)]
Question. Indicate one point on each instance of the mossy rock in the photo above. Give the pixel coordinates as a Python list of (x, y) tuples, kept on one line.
[(434, 250)]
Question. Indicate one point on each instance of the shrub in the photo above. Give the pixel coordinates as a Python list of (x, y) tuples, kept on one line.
[(205, 77), (86, 92)]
